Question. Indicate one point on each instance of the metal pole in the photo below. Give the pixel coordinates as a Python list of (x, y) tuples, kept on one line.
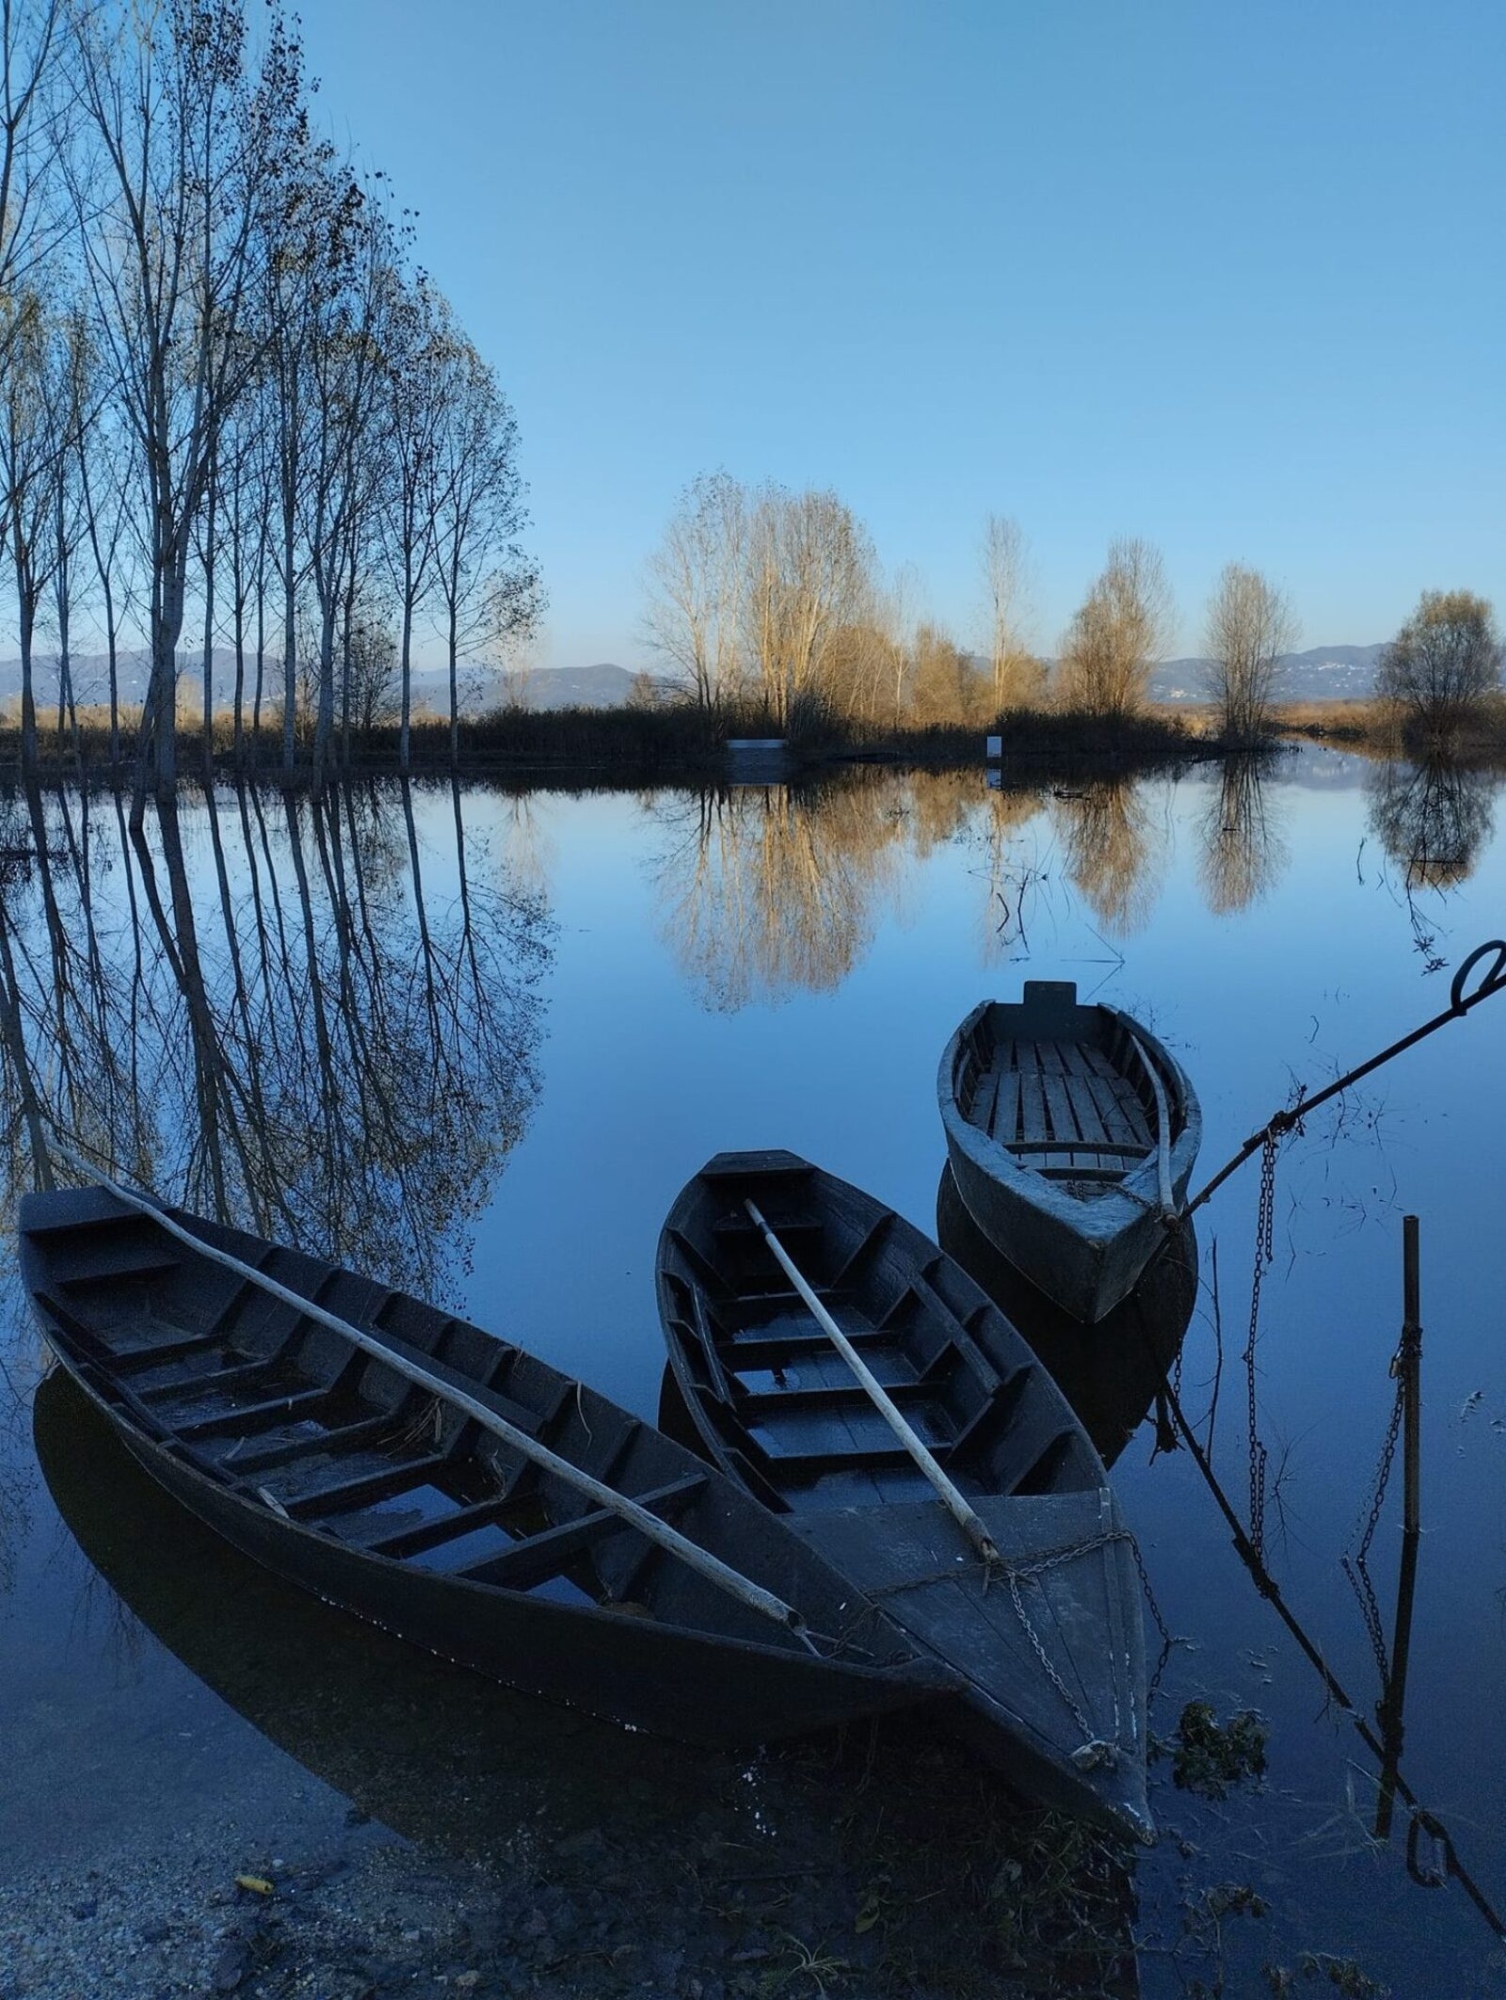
[(1411, 1376), (1408, 1367)]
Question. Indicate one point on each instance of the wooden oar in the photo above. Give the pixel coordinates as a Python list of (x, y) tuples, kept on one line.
[(970, 1522), (711, 1567)]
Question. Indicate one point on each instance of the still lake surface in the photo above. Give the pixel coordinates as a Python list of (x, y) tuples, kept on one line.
[(475, 1042)]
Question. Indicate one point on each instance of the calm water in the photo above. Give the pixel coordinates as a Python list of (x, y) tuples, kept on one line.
[(477, 1045)]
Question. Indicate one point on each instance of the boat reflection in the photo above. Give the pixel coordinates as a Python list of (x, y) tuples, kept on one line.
[(476, 1772), (435, 1753), (1110, 1373)]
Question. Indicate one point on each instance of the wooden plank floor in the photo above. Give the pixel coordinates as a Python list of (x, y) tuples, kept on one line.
[(1062, 1107)]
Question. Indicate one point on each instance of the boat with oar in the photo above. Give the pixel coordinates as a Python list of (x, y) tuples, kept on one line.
[(435, 1752), (870, 1394), (449, 1486), (1112, 1373), (1071, 1132)]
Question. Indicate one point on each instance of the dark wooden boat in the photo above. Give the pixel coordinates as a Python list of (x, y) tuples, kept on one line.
[(1071, 1132), (332, 1468), (1048, 1643), (1112, 1373), (435, 1752)]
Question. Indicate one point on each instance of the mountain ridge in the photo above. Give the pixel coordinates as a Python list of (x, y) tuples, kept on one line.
[(1321, 673)]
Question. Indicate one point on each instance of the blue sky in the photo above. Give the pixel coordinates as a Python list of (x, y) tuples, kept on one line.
[(1229, 277)]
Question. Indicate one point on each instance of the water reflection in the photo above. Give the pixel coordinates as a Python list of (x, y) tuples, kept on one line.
[(1243, 851), (1432, 818), (769, 891), (436, 1754), (1113, 1372), (264, 1011), (1106, 829)]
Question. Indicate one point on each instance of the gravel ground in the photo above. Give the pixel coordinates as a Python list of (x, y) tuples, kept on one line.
[(176, 1718), (837, 1877)]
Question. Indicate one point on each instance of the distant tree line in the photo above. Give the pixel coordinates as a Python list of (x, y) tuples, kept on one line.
[(233, 412), (763, 600)]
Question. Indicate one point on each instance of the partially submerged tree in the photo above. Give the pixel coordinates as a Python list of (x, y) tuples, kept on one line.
[(1443, 662), (1123, 626), (1250, 625)]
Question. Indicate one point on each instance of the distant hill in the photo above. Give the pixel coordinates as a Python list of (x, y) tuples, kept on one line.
[(601, 686), (1323, 673)]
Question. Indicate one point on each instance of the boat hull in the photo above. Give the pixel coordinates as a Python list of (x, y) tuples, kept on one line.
[(1084, 1249), (1112, 1371), (1045, 1649)]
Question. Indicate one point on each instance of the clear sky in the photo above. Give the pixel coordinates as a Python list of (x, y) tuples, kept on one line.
[(1227, 276)]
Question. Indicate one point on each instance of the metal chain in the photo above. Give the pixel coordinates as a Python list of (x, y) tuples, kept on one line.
[(1088, 1733), (1358, 1571), (1016, 1573), (1265, 1234)]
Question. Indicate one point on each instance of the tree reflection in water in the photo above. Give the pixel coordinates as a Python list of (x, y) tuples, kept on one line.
[(1243, 851), (1432, 818), (766, 891), (260, 1009), (1105, 828)]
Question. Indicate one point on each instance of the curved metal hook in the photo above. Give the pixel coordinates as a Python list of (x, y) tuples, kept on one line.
[(1491, 982)]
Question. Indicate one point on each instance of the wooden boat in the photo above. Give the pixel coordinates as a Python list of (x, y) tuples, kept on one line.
[(1112, 1373), (1071, 1133), (1047, 1641), (328, 1464), (435, 1752)]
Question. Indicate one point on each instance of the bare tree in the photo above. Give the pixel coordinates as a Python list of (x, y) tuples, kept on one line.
[(1443, 662), (1250, 625), (33, 440), (488, 588), (809, 576), (30, 36), (413, 353), (946, 686), (168, 204), (1122, 628), (695, 588), (1015, 675), (373, 667)]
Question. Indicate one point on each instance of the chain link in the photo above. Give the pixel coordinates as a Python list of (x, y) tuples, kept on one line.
[(1016, 1573), (1358, 1571)]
